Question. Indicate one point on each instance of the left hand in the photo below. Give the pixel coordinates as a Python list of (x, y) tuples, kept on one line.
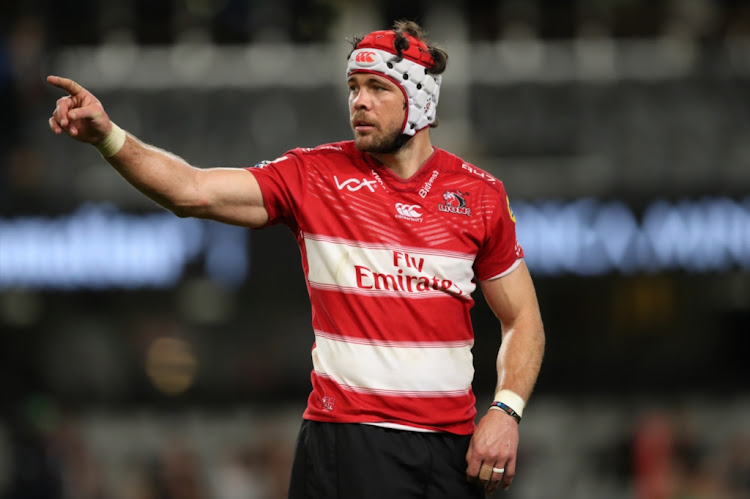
[(494, 445)]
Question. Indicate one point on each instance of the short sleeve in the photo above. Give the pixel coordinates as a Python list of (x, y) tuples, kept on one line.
[(500, 252), (282, 185)]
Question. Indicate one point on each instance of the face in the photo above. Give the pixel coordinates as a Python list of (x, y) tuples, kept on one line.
[(377, 110)]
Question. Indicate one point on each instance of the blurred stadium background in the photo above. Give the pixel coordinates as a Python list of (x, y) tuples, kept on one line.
[(146, 356)]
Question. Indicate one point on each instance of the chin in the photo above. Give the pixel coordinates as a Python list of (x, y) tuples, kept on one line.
[(364, 144), (381, 145)]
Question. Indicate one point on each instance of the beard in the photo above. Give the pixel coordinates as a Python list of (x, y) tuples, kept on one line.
[(387, 144)]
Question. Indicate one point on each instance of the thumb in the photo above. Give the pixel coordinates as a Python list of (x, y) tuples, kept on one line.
[(92, 111)]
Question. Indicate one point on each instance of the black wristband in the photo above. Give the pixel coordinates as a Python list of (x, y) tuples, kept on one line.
[(506, 409)]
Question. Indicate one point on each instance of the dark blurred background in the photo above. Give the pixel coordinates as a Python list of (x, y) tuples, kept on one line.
[(146, 356)]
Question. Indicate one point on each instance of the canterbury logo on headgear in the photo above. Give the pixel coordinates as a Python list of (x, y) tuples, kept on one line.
[(376, 53), (365, 57)]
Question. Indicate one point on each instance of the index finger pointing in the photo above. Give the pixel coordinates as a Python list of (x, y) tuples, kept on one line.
[(66, 84)]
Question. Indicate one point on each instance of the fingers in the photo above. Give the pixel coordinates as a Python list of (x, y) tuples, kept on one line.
[(62, 116), (498, 475), (93, 111), (491, 476), (510, 472), (54, 126), (61, 110), (66, 112), (66, 84), (473, 464), (485, 473)]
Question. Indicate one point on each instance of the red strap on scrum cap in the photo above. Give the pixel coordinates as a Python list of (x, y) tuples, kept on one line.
[(385, 40)]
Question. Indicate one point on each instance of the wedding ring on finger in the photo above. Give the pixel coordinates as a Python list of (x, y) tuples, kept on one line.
[(499, 471)]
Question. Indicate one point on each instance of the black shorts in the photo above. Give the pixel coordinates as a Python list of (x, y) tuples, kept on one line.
[(361, 461)]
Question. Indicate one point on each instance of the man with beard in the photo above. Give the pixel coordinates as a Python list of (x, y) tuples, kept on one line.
[(394, 234)]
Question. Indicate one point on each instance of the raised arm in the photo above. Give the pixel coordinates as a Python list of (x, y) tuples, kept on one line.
[(513, 300), (230, 195)]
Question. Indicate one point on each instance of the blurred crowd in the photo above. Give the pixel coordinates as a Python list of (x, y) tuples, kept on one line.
[(50, 456), (22, 54), (662, 453)]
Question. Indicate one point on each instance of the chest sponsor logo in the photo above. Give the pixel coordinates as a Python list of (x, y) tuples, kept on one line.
[(455, 202), (380, 271), (353, 184), (409, 212), (428, 185), (404, 278)]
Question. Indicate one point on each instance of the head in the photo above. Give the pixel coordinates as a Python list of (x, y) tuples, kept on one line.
[(394, 81)]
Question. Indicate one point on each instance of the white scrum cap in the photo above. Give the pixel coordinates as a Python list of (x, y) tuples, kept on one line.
[(376, 53)]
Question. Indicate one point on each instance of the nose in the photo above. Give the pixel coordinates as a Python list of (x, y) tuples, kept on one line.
[(360, 99)]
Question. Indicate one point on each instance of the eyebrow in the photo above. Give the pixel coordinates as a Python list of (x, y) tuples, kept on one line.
[(372, 79)]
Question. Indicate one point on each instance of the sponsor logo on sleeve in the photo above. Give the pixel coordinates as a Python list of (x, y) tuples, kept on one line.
[(479, 173)]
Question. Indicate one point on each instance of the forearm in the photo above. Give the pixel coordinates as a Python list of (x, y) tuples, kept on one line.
[(495, 441), (229, 195), (162, 176), (520, 356)]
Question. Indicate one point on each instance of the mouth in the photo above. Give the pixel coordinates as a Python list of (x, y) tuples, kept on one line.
[(360, 125)]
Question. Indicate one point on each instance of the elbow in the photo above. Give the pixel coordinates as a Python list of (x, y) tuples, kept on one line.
[(182, 211), (193, 209)]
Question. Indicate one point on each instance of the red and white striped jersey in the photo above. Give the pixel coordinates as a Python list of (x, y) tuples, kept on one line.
[(390, 266)]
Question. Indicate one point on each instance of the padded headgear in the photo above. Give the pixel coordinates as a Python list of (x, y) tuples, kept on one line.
[(376, 53)]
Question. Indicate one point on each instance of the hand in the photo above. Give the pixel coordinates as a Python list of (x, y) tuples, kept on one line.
[(494, 445), (79, 114)]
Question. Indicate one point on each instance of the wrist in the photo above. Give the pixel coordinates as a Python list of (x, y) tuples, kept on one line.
[(509, 402), (112, 143)]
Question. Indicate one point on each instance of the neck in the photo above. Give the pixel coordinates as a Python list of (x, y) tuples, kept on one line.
[(409, 159)]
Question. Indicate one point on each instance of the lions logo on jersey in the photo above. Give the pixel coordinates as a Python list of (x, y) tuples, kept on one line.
[(455, 202), (454, 198)]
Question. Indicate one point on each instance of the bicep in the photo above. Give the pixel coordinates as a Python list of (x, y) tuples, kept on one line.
[(231, 195), (512, 297)]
